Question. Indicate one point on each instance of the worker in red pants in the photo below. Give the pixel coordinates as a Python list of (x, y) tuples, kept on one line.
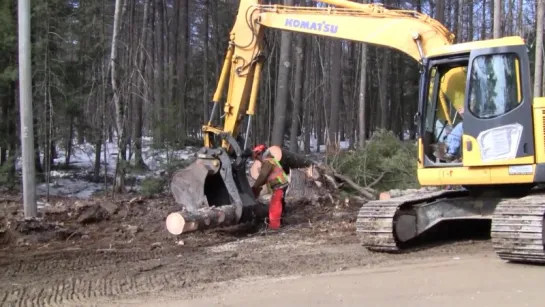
[(273, 175)]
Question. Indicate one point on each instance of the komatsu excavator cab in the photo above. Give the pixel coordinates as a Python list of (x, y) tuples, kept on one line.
[(491, 84)]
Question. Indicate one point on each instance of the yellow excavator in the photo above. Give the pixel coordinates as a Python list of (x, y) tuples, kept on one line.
[(499, 160)]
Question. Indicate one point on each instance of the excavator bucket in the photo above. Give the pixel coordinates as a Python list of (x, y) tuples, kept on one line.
[(212, 180)]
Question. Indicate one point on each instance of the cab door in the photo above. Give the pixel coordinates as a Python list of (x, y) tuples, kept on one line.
[(497, 122)]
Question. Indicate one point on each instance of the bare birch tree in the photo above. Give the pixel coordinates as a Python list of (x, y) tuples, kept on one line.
[(119, 105)]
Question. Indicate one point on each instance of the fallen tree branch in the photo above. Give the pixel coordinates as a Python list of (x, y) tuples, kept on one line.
[(367, 192), (376, 181)]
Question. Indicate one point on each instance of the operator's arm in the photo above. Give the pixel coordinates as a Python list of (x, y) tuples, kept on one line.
[(266, 168), (454, 139)]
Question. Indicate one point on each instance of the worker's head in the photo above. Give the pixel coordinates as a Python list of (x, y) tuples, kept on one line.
[(258, 151)]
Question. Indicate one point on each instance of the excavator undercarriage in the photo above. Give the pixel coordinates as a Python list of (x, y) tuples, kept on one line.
[(517, 230)]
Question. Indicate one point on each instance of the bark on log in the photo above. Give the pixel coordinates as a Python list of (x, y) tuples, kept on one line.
[(305, 184), (181, 222), (290, 159)]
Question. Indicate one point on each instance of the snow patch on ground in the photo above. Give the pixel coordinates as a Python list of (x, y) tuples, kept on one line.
[(78, 188), (75, 183)]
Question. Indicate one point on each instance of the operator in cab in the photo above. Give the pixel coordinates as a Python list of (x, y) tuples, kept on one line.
[(273, 175), (454, 139), (452, 93)]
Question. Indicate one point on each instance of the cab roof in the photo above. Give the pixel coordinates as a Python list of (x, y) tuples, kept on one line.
[(467, 47)]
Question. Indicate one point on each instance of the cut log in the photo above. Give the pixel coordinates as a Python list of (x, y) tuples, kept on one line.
[(305, 184), (181, 222), (287, 159), (290, 159)]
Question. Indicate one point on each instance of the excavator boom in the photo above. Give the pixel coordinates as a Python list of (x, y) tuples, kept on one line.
[(370, 24), (411, 32)]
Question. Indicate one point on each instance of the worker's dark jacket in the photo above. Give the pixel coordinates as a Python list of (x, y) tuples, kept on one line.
[(271, 173)]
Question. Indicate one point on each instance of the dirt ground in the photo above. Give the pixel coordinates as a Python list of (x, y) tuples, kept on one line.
[(466, 280), (84, 251)]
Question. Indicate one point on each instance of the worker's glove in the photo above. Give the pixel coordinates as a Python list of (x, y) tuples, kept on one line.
[(247, 153), (256, 191)]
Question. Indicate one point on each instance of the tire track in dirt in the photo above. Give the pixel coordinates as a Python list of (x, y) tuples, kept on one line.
[(77, 289), (73, 261), (53, 279)]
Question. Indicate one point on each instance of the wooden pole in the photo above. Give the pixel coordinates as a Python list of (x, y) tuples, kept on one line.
[(26, 116)]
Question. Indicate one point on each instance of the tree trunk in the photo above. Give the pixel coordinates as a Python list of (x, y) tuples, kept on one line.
[(80, 127), (336, 54), (520, 21), (69, 141), (119, 108), (206, 99), (139, 101), (538, 73), (509, 18), (295, 118), (470, 29), (497, 18), (165, 119), (308, 88), (11, 115), (440, 14), (460, 21), (483, 21), (361, 96), (383, 90), (281, 102), (37, 162), (182, 70)]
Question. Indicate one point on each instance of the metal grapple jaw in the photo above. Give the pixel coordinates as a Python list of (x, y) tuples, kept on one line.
[(214, 179)]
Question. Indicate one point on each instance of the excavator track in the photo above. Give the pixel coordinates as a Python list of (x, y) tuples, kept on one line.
[(374, 225), (517, 229), (377, 220)]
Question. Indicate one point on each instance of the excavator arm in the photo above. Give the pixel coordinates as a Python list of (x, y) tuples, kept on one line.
[(218, 176), (410, 32)]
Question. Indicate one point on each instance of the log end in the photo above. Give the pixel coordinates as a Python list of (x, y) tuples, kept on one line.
[(175, 223), (384, 196), (254, 169)]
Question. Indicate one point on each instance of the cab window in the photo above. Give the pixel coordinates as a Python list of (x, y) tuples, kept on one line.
[(494, 85)]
